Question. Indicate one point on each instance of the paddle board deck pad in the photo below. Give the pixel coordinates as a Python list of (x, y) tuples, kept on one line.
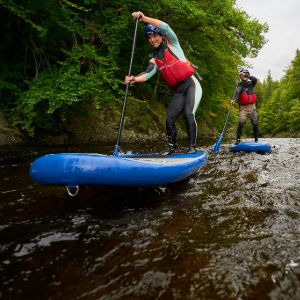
[(125, 170), (251, 147)]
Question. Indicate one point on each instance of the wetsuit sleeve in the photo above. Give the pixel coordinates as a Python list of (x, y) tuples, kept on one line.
[(253, 80), (170, 34), (237, 92), (150, 71), (172, 38)]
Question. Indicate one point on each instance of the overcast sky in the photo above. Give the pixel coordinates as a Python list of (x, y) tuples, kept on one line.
[(283, 18)]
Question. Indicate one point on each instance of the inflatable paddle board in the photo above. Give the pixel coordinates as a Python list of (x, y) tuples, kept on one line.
[(128, 170), (251, 147)]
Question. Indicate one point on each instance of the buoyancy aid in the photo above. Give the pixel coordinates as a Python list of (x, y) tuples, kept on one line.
[(174, 70), (245, 98), (247, 95)]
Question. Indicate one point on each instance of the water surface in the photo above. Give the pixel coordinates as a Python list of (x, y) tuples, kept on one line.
[(230, 232)]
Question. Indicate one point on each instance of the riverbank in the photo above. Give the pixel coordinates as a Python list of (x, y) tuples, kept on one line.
[(100, 127), (92, 126), (8, 134)]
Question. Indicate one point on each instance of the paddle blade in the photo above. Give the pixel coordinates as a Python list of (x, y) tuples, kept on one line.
[(217, 145), (116, 150)]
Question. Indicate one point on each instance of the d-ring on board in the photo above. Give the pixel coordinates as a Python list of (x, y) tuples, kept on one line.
[(72, 194)]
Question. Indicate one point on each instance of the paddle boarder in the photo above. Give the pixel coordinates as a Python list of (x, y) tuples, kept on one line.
[(179, 74), (246, 98)]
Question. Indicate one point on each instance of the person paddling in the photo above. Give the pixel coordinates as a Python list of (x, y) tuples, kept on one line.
[(179, 74), (246, 98)]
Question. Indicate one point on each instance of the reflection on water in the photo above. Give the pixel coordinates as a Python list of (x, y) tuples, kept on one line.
[(230, 232)]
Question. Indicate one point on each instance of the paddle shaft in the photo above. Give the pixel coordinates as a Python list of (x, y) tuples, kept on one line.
[(225, 125), (126, 91), (231, 104), (217, 146)]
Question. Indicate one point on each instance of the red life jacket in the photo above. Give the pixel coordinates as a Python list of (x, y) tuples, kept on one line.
[(174, 70), (245, 99)]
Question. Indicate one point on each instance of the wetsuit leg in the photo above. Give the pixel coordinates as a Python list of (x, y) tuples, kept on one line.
[(175, 107), (242, 120), (254, 121), (192, 100)]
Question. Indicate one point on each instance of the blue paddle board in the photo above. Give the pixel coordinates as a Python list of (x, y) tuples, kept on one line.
[(251, 147), (132, 170)]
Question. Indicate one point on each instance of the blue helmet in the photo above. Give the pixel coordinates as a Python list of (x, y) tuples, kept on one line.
[(244, 70), (150, 29)]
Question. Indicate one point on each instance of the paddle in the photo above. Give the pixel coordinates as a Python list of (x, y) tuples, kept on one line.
[(117, 148), (217, 146)]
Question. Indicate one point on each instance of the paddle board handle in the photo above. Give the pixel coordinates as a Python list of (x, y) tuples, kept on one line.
[(71, 192)]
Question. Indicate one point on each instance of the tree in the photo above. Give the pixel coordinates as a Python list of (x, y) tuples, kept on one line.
[(44, 43), (280, 109)]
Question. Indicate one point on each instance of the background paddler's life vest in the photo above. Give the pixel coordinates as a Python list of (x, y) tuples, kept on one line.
[(245, 98), (174, 70)]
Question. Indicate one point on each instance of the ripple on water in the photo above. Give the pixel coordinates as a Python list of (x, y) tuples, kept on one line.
[(230, 232), (44, 240)]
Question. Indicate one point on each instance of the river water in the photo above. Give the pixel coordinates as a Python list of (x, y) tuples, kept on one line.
[(230, 232)]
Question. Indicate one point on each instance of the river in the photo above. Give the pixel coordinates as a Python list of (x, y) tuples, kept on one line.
[(230, 232)]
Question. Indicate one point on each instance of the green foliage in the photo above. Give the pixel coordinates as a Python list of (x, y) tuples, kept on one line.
[(43, 42), (51, 94), (280, 108)]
